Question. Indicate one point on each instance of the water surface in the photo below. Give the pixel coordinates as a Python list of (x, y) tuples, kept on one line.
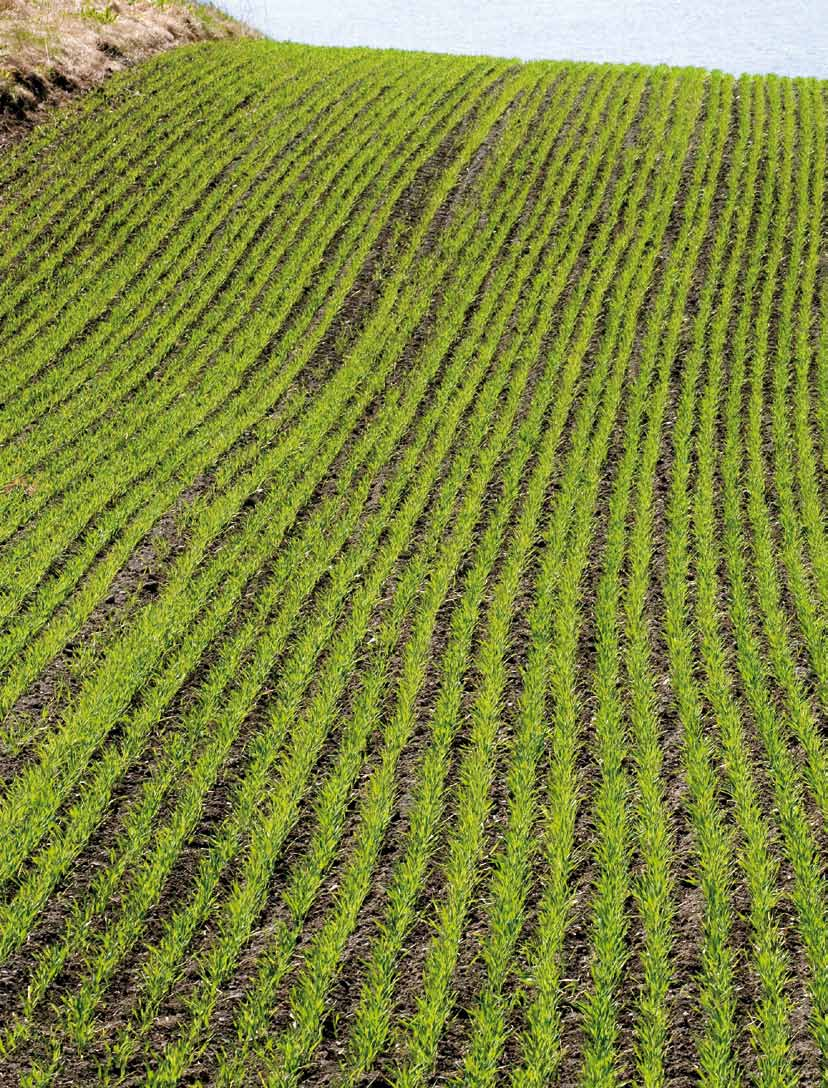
[(789, 37)]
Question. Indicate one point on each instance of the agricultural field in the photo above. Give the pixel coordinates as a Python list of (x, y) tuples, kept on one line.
[(414, 576), (51, 49)]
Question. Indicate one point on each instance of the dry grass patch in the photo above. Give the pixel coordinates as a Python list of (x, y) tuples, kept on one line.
[(50, 48)]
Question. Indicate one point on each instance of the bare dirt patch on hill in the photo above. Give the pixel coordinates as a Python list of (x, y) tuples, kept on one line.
[(50, 49)]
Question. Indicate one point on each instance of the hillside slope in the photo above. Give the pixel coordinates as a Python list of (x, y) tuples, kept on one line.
[(414, 576)]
